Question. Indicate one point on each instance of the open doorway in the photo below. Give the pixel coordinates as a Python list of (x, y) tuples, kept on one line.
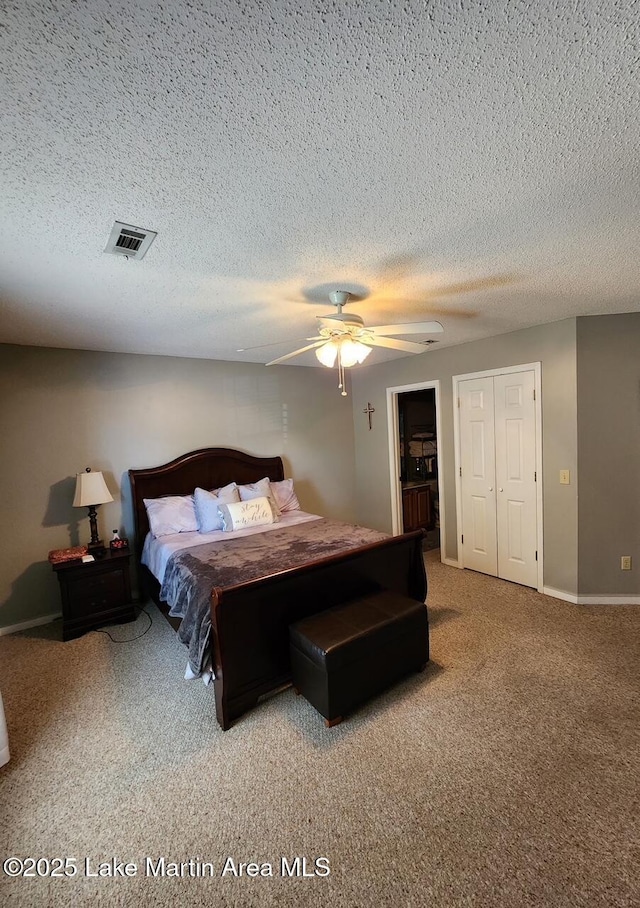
[(414, 429)]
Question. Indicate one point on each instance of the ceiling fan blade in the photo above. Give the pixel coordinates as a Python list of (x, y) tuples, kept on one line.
[(405, 346), (282, 359), (411, 328)]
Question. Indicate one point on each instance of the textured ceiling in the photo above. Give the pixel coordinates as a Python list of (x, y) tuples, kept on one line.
[(474, 162)]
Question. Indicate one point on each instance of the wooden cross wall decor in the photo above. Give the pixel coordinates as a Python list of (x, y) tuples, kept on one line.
[(368, 410)]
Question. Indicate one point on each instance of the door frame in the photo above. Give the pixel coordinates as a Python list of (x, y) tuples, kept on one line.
[(536, 368), (393, 430)]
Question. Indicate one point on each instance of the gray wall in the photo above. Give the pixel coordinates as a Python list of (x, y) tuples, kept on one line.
[(64, 410), (609, 452), (553, 345)]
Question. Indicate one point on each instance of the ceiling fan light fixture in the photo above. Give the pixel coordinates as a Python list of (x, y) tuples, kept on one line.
[(352, 352), (349, 350), (363, 351), (327, 353)]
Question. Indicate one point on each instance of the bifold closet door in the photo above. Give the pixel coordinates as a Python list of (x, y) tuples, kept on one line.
[(498, 489), (478, 480), (515, 424)]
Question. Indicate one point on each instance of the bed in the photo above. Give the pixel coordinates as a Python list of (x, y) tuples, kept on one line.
[(249, 618)]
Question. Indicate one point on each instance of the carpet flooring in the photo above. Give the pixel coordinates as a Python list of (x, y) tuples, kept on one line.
[(507, 774)]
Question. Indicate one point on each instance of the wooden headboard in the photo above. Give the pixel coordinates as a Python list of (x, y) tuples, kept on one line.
[(209, 468)]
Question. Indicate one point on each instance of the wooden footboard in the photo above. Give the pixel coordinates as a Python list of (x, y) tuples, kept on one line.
[(250, 621)]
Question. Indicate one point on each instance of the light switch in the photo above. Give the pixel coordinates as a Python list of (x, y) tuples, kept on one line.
[(565, 477)]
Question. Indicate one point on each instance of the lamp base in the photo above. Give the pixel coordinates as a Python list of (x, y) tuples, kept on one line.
[(96, 546)]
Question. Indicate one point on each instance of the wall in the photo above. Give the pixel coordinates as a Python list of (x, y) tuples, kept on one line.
[(553, 345), (64, 410), (609, 452)]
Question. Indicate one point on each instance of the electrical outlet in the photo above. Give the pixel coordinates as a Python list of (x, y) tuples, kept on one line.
[(565, 477), (625, 563)]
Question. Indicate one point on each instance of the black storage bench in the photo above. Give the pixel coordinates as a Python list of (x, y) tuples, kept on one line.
[(342, 657)]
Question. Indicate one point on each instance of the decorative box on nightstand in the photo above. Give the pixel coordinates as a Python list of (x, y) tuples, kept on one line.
[(95, 593)]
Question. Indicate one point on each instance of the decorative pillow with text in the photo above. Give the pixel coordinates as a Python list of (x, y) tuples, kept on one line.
[(253, 513)]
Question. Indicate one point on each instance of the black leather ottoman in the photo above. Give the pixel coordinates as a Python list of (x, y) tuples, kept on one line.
[(342, 657)]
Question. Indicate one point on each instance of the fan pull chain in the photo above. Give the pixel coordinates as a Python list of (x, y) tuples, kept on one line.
[(341, 381)]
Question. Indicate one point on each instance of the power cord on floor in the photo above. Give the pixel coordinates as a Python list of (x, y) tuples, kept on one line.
[(131, 639)]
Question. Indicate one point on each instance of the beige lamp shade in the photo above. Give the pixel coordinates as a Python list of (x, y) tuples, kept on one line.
[(91, 489)]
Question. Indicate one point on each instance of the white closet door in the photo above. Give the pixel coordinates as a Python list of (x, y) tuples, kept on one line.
[(477, 484), (515, 446), (497, 423)]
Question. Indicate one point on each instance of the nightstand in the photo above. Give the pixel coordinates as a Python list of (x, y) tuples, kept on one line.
[(95, 593)]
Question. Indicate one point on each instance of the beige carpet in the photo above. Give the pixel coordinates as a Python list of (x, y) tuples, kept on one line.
[(506, 775)]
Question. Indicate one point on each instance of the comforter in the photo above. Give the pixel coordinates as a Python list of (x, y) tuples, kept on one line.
[(192, 573)]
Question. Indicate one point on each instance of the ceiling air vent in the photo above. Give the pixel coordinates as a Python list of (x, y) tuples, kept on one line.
[(125, 239)]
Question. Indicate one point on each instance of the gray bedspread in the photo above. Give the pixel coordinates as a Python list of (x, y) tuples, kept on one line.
[(192, 573)]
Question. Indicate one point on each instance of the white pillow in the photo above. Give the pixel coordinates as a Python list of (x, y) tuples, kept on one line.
[(286, 498), (260, 489), (253, 512), (206, 506), (171, 514)]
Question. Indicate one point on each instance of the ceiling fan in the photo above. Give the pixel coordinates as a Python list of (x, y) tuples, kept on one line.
[(345, 338)]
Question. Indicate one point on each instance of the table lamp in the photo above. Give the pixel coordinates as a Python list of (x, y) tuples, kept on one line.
[(91, 490)]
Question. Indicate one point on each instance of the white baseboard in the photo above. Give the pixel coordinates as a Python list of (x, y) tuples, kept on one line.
[(629, 599), (25, 625), (560, 594), (598, 599)]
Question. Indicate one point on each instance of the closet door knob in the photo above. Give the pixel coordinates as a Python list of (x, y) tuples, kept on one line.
[(500, 490), (491, 488)]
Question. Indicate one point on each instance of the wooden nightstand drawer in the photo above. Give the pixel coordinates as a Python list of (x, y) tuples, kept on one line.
[(95, 593)]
